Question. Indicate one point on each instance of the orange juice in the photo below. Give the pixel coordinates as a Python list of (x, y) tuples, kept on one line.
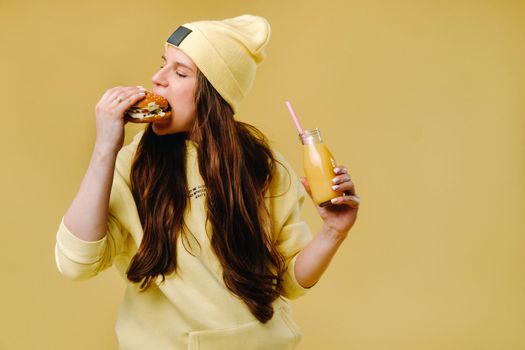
[(318, 165)]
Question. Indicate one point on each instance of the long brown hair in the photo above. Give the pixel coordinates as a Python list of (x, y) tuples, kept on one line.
[(236, 165)]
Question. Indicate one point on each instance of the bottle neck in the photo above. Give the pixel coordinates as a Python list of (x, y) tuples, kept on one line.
[(310, 137)]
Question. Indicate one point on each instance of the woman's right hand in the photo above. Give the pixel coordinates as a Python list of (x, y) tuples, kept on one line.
[(110, 115)]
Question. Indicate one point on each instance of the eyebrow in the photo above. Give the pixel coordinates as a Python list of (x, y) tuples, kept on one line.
[(179, 63)]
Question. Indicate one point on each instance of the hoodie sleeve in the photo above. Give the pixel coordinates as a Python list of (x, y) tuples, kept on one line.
[(292, 233), (78, 259)]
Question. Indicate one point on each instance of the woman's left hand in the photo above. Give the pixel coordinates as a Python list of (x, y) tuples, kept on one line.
[(341, 215)]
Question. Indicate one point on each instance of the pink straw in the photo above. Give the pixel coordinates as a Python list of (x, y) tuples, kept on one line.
[(294, 117)]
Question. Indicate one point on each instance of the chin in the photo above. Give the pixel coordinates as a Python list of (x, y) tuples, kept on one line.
[(162, 129)]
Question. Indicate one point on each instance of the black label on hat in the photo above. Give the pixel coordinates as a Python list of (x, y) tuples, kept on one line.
[(179, 35)]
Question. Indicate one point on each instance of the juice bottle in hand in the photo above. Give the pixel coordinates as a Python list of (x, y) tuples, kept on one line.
[(318, 165)]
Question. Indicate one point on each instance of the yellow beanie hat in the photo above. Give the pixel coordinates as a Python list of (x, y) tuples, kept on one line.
[(227, 52)]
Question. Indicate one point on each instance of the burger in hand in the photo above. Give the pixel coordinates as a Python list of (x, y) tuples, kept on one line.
[(151, 108)]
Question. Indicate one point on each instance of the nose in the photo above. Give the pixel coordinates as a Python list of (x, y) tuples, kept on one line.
[(159, 79)]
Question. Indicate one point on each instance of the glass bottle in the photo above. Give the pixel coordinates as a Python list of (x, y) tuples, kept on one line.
[(318, 164)]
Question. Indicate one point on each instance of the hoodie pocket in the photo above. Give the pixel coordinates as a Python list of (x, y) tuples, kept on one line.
[(280, 333)]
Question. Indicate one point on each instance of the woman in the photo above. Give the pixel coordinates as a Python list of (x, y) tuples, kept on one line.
[(200, 216)]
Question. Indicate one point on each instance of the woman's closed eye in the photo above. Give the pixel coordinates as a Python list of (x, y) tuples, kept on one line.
[(182, 75)]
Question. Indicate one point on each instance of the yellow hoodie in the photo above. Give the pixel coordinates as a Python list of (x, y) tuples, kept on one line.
[(191, 309)]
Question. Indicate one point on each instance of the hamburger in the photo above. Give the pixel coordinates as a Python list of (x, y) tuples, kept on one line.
[(151, 108)]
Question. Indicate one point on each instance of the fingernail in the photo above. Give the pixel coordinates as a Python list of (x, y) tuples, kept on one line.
[(334, 180), (335, 187), (337, 170), (334, 200)]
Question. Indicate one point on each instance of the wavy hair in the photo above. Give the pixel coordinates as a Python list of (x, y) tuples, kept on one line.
[(236, 165)]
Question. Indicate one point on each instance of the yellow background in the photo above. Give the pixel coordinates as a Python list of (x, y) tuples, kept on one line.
[(424, 101)]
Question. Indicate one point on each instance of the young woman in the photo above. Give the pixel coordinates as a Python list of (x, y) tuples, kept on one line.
[(199, 215)]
